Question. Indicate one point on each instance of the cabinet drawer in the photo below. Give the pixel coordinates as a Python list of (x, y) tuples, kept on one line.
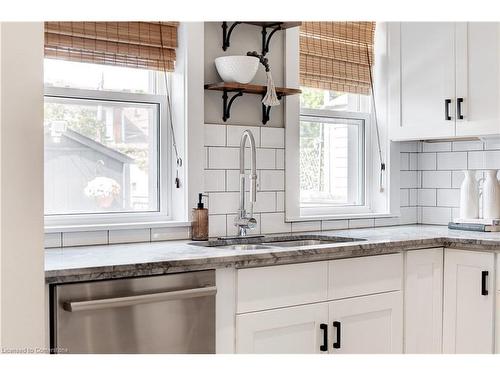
[(365, 275), (279, 286)]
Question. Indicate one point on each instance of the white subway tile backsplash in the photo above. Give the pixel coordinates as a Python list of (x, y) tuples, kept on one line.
[(404, 163), (436, 215), (171, 233), (426, 161), (274, 223), (427, 197), (280, 201), (272, 180), (436, 146), (266, 158), (387, 221), (411, 146), (456, 179), (452, 160), (467, 146), (408, 215), (215, 135), (334, 224), (98, 237), (436, 179), (266, 201), (306, 226), (413, 162), (448, 197), (234, 135), (484, 160), (413, 197), (223, 203), (216, 225), (129, 235), (215, 180), (280, 159), (223, 158), (404, 197), (492, 143), (52, 240), (272, 137), (361, 223), (408, 179)]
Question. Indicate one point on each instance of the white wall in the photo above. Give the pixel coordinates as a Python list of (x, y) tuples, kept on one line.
[(22, 308)]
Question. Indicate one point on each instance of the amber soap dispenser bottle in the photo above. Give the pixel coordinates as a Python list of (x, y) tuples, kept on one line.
[(199, 223)]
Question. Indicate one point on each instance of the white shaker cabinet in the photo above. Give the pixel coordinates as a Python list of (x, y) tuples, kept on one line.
[(298, 330), (468, 302), (424, 301), (367, 325), (444, 79), (478, 79), (421, 80)]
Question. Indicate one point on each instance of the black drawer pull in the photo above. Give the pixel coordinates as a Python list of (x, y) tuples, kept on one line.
[(336, 344), (324, 346), (484, 286), (447, 103), (459, 108)]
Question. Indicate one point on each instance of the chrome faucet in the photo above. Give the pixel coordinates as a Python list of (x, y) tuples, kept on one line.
[(245, 219)]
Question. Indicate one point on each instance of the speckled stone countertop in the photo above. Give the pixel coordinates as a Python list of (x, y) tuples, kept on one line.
[(141, 259)]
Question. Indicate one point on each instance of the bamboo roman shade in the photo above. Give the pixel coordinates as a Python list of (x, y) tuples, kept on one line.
[(146, 45), (334, 55)]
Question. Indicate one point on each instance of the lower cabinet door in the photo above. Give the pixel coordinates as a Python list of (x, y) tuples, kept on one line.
[(424, 301), (300, 329), (367, 325), (468, 302)]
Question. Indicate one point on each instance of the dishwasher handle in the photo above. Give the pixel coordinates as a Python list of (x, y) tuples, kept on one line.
[(106, 303)]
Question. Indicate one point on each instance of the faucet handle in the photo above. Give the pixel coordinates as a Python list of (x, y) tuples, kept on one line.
[(252, 223)]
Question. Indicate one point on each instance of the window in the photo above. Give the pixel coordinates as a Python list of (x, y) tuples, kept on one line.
[(333, 130), (105, 144)]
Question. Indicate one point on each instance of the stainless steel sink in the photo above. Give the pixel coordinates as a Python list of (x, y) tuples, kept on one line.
[(268, 242), (244, 247)]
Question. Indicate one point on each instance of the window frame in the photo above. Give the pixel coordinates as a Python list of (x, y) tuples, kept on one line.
[(55, 222), (325, 210), (383, 199)]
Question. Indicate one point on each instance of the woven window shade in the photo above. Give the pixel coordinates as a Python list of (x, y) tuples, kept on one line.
[(146, 45), (334, 55)]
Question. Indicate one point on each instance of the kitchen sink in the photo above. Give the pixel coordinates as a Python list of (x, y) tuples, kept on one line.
[(244, 247), (268, 242)]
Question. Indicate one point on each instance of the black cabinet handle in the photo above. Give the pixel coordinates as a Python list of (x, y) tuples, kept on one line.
[(484, 286), (447, 103), (336, 344), (324, 347), (459, 108)]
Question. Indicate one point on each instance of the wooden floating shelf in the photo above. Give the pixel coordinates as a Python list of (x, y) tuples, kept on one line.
[(239, 89), (249, 88)]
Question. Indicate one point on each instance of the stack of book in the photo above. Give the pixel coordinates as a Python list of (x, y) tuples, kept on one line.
[(478, 225)]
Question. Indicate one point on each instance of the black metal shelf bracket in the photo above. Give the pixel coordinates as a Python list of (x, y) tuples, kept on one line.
[(226, 105), (226, 33), (266, 39), (266, 111)]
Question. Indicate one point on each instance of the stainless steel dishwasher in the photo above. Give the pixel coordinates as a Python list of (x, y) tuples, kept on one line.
[(159, 314)]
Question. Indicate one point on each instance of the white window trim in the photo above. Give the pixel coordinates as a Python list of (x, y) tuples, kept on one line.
[(339, 210), (58, 221), (380, 203)]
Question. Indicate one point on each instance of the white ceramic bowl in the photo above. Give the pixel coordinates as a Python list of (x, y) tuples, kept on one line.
[(239, 69)]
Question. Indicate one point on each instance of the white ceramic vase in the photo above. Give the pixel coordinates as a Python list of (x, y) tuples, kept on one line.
[(469, 196), (491, 195)]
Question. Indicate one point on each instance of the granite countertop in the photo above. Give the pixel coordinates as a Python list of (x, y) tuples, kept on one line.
[(153, 258)]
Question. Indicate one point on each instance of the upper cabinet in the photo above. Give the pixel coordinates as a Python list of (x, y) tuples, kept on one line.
[(444, 80)]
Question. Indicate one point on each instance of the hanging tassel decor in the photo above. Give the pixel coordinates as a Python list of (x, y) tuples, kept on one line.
[(271, 98)]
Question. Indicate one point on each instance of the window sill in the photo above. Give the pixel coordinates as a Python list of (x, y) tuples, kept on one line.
[(117, 226), (368, 215)]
